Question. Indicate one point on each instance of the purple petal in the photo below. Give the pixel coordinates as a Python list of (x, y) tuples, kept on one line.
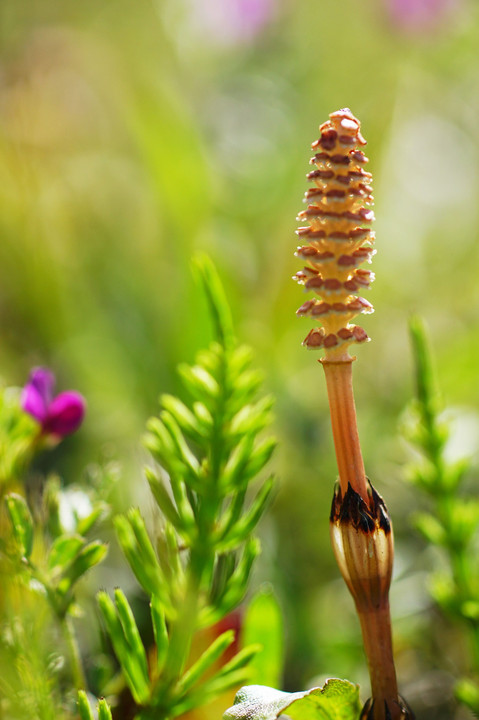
[(37, 393), (65, 414), (231, 22), (420, 14)]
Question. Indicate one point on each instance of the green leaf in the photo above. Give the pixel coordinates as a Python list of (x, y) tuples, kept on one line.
[(104, 712), (240, 360), (133, 670), (131, 633), (423, 363), (139, 552), (467, 692), (84, 706), (164, 500), (239, 661), (238, 582), (263, 624), (160, 632), (253, 418), (237, 462), (187, 421), (234, 534), (470, 610), (261, 454), (199, 382), (204, 415), (180, 444), (216, 298), (63, 551), (464, 522), (88, 557), (337, 700), (99, 512), (246, 386), (430, 528), (22, 523), (205, 662)]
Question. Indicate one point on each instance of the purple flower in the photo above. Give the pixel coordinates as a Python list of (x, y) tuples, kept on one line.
[(231, 22), (58, 416), (420, 14)]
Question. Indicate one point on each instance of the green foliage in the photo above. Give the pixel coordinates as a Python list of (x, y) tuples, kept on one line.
[(452, 522), (208, 451), (263, 624), (18, 434), (337, 700), (44, 552), (22, 524), (67, 560), (85, 711)]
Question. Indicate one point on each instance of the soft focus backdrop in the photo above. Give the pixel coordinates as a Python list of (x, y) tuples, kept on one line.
[(136, 133)]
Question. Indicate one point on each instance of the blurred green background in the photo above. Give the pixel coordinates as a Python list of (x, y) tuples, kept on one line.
[(134, 134)]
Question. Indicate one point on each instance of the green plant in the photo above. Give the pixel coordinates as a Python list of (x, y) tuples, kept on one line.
[(45, 551), (195, 570), (451, 522)]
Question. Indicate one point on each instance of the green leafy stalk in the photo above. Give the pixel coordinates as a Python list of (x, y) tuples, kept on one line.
[(85, 711), (208, 451), (46, 570), (452, 522)]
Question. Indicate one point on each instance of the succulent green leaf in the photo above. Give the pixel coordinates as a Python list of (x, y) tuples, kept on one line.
[(163, 499), (22, 523), (467, 692), (470, 610), (263, 624), (260, 456), (252, 418), (132, 669), (88, 557), (132, 636), (64, 550), (464, 522), (84, 706), (139, 552), (160, 632), (199, 382), (240, 360), (216, 298), (423, 363), (238, 582), (99, 512), (186, 420), (246, 386), (230, 517), (237, 462), (246, 524), (337, 700), (205, 662), (223, 570), (240, 660), (204, 415), (104, 712), (430, 528), (181, 446)]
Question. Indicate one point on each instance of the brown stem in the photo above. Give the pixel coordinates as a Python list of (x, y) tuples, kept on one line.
[(339, 381), (377, 639)]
